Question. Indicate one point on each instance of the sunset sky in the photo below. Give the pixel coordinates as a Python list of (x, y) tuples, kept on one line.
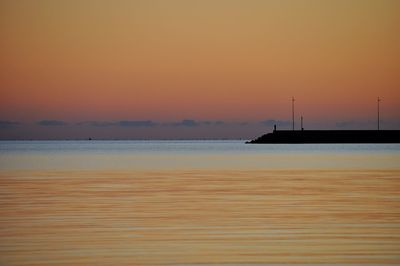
[(195, 69)]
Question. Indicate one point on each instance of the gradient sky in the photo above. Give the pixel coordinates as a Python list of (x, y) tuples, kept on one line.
[(214, 60)]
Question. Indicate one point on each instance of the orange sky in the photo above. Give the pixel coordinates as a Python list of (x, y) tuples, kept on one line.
[(214, 59)]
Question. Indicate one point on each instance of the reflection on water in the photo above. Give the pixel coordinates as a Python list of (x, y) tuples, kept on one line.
[(188, 155), (200, 215)]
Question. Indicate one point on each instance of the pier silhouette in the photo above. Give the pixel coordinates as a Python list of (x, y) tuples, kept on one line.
[(329, 136)]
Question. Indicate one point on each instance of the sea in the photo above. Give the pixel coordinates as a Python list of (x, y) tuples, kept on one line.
[(198, 202)]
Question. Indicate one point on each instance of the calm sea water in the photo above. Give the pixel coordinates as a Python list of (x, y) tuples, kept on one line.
[(198, 203), (184, 155)]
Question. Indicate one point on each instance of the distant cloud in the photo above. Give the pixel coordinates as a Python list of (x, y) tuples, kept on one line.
[(219, 123), (186, 123), (150, 123), (8, 124), (95, 123), (136, 123), (243, 123), (51, 123), (345, 124), (212, 123), (122, 123), (272, 122)]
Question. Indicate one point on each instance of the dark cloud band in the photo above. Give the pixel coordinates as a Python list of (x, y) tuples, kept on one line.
[(51, 123)]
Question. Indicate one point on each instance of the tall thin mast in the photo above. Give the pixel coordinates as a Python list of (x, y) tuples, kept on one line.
[(302, 123), (293, 113), (378, 101)]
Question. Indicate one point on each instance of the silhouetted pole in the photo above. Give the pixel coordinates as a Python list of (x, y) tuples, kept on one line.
[(378, 101), (302, 123), (293, 113)]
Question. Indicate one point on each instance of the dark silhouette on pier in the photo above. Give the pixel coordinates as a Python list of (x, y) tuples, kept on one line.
[(329, 136)]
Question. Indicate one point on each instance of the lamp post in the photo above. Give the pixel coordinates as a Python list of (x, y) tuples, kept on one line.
[(302, 123), (293, 113), (378, 101)]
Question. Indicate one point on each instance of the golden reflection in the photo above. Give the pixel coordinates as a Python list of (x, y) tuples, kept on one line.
[(199, 217)]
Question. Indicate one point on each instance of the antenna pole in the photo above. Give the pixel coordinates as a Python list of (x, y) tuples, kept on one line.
[(378, 101), (302, 123), (293, 113)]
